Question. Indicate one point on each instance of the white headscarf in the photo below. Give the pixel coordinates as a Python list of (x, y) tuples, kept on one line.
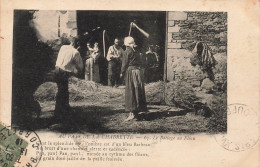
[(129, 41)]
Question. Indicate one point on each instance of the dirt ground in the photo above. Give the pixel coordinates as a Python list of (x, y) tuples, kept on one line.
[(100, 109)]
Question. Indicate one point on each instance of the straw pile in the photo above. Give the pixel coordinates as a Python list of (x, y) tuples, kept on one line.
[(154, 92), (80, 90), (180, 94)]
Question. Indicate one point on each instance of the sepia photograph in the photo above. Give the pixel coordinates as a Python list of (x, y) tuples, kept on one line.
[(112, 71), (129, 83)]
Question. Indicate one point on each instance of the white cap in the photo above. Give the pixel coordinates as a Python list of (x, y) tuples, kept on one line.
[(129, 41)]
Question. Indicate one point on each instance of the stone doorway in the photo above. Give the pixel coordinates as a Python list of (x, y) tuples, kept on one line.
[(117, 24)]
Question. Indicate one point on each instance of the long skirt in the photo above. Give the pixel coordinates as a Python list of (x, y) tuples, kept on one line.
[(135, 100), (92, 71)]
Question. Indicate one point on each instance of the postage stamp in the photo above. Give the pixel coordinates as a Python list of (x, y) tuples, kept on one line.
[(243, 126), (12, 146), (19, 147), (33, 153)]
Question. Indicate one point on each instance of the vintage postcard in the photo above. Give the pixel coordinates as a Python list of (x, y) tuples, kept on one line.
[(129, 83)]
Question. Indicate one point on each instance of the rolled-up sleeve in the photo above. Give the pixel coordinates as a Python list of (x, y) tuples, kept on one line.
[(110, 53)]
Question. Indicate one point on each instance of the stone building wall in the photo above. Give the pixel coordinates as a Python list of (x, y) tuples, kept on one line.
[(184, 30), (53, 28), (51, 25)]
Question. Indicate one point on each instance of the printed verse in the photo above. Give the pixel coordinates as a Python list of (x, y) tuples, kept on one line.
[(97, 148)]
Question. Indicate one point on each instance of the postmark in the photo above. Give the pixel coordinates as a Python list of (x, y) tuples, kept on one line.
[(32, 155), (11, 146), (243, 129), (19, 148)]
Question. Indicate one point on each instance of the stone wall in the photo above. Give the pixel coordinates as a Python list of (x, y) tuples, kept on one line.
[(53, 28), (51, 25), (184, 30)]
